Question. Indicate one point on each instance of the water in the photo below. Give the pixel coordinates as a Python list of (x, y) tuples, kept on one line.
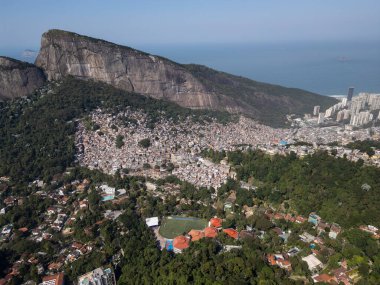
[(108, 198), (327, 69), (324, 68)]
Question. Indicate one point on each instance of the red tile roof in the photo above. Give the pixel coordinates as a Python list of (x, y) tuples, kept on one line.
[(271, 259), (196, 235), (181, 242), (216, 222), (211, 232), (232, 233)]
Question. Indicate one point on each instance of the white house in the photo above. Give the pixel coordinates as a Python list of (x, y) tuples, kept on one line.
[(152, 222)]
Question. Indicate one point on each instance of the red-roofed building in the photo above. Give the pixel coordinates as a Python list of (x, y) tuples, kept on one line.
[(180, 243), (290, 218), (232, 233), (325, 278), (215, 222), (278, 216), (300, 219), (56, 279), (210, 232), (23, 230), (284, 264), (271, 259), (55, 266), (196, 235)]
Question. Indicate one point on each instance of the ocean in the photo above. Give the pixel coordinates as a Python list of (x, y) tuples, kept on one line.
[(324, 68)]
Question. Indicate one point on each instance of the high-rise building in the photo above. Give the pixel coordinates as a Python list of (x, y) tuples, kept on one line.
[(350, 93), (321, 118), (340, 116), (361, 118), (329, 112), (98, 276), (356, 106), (347, 114), (316, 110)]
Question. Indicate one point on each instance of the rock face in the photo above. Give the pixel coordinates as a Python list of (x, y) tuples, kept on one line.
[(18, 78), (64, 53)]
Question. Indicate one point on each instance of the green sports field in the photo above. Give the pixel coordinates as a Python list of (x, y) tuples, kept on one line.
[(173, 226)]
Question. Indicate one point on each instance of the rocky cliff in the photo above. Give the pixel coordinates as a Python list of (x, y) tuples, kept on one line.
[(64, 53), (18, 78)]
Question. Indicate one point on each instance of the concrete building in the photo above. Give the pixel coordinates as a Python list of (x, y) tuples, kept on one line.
[(321, 118), (340, 116), (356, 106), (313, 263), (152, 222), (350, 93), (316, 110), (347, 114), (361, 118), (328, 112), (98, 276)]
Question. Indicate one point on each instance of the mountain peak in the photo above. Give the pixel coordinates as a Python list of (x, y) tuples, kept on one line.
[(64, 53)]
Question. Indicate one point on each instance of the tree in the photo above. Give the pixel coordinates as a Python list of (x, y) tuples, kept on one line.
[(145, 143), (119, 141)]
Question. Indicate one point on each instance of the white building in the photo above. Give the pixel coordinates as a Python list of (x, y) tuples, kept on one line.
[(321, 118), (313, 263), (152, 222), (98, 276), (316, 110)]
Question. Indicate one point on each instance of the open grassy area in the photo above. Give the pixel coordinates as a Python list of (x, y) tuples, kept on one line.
[(173, 226)]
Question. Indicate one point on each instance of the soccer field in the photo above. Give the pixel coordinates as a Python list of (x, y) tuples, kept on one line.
[(173, 226)]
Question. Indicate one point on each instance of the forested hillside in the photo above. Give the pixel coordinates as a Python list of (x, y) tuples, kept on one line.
[(339, 190)]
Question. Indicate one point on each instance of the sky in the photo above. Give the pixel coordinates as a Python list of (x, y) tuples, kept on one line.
[(295, 43), (144, 22)]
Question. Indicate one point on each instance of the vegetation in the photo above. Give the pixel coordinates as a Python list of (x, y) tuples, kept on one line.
[(37, 134), (119, 141), (251, 93), (333, 188), (145, 143), (366, 146)]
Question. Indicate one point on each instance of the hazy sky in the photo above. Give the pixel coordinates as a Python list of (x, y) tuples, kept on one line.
[(142, 22)]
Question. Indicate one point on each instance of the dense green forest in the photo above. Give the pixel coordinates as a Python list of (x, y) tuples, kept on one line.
[(335, 188), (37, 134)]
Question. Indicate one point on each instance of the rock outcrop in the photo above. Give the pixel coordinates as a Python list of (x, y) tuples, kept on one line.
[(64, 53), (18, 78)]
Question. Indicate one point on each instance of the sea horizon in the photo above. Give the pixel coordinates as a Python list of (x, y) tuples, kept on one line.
[(328, 68)]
